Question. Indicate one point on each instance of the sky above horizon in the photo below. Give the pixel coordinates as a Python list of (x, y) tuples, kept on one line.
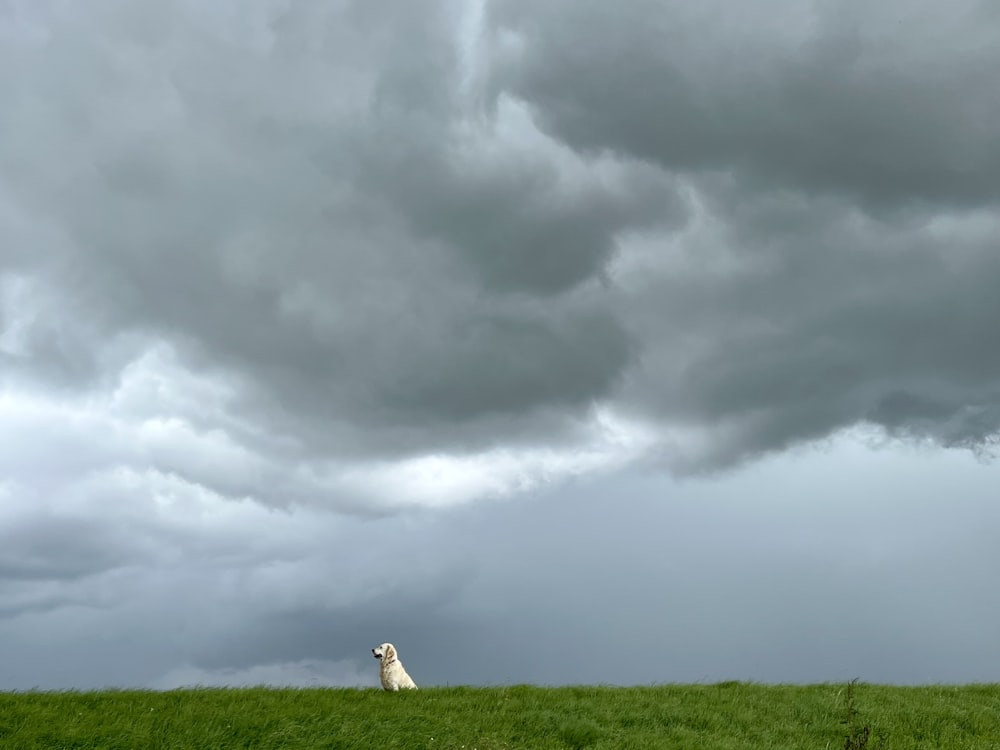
[(560, 342)]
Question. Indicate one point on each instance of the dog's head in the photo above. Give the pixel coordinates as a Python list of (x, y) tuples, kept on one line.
[(386, 652)]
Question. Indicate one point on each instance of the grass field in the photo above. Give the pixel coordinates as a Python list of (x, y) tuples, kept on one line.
[(727, 715)]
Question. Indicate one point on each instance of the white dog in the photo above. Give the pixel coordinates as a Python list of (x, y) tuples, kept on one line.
[(391, 670)]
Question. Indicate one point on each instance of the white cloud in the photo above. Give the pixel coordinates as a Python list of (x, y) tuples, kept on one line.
[(608, 444)]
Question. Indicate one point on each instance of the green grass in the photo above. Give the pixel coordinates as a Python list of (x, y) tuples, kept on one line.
[(727, 715)]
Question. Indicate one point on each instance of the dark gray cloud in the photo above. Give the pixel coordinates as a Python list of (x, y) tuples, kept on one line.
[(860, 321), (405, 246), (846, 183), (272, 279), (326, 224), (887, 104)]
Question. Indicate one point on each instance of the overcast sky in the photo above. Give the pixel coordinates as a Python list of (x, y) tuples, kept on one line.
[(555, 342)]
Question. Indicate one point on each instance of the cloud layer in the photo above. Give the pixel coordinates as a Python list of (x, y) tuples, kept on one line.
[(391, 231), (330, 263)]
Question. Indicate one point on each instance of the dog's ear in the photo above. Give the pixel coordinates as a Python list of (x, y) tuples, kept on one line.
[(390, 652)]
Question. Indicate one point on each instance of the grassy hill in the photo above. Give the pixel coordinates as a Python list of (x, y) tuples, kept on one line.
[(728, 715)]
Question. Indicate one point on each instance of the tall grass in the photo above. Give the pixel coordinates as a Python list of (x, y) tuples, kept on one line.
[(727, 715)]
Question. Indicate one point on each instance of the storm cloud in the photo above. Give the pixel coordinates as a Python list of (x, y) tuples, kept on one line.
[(280, 275)]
